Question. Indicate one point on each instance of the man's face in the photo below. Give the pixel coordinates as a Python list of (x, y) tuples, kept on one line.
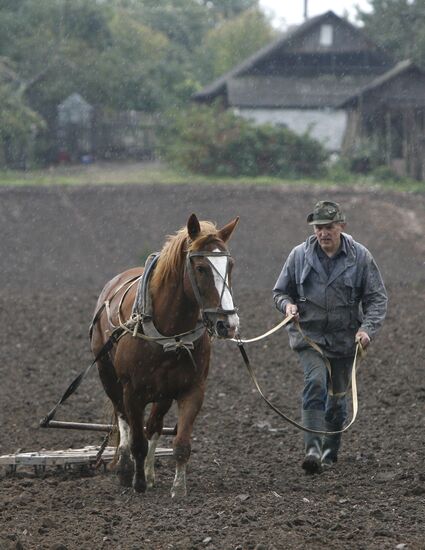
[(329, 236)]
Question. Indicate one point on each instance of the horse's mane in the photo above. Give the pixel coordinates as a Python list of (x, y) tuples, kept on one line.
[(172, 255)]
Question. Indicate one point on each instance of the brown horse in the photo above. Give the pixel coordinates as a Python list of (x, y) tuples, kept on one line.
[(191, 300)]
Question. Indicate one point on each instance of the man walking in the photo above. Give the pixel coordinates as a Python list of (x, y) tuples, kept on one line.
[(333, 287)]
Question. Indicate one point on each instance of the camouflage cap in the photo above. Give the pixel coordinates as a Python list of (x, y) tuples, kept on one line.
[(325, 212)]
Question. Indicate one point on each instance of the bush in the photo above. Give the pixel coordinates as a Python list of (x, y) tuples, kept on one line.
[(208, 140), (18, 127), (367, 155), (385, 173)]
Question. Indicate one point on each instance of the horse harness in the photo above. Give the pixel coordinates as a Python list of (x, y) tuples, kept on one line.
[(140, 324)]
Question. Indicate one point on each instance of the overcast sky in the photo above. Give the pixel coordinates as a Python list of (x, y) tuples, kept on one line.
[(291, 12)]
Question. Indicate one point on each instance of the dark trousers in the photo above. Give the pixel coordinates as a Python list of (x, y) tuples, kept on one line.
[(324, 391), (324, 400)]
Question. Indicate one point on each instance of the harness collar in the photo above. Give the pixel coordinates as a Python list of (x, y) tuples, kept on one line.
[(142, 316)]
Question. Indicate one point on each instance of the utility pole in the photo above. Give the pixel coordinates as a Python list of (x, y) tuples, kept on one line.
[(305, 10)]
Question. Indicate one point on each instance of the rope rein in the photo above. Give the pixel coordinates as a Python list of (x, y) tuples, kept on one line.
[(359, 353)]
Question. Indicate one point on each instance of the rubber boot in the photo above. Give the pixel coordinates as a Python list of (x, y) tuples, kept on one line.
[(315, 420), (331, 444)]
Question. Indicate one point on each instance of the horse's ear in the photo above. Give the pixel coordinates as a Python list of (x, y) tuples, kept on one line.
[(226, 232), (193, 227)]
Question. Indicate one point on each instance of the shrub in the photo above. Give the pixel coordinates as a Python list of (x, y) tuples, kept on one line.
[(211, 141), (385, 173), (18, 127), (367, 155)]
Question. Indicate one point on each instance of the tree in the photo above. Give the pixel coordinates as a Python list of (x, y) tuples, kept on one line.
[(18, 126), (145, 55), (398, 26), (227, 9), (123, 75), (234, 40)]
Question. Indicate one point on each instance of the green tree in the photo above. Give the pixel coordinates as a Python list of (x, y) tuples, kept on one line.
[(122, 54), (123, 75), (18, 127), (398, 26), (234, 40), (227, 9), (184, 22), (106, 55)]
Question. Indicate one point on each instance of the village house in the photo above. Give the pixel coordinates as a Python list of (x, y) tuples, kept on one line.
[(326, 77)]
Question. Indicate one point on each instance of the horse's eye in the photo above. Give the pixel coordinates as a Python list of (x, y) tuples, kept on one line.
[(200, 269)]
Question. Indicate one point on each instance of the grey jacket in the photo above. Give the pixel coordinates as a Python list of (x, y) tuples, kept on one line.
[(332, 309)]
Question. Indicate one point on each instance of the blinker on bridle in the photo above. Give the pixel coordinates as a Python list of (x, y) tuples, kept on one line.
[(207, 313)]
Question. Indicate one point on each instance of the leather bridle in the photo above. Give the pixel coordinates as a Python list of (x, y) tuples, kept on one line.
[(209, 315)]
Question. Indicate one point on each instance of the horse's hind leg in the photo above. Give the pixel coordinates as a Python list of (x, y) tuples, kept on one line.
[(189, 407), (154, 427), (134, 407), (113, 388)]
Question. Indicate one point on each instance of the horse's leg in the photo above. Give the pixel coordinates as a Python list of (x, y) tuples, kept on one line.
[(135, 407), (154, 427), (188, 408), (113, 388), (125, 467)]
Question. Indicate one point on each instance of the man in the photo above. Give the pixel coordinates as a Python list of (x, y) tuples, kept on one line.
[(332, 285)]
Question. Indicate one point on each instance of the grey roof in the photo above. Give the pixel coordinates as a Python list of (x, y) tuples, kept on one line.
[(397, 70), (75, 101), (219, 85), (286, 92)]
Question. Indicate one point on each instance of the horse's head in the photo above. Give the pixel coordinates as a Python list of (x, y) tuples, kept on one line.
[(208, 275)]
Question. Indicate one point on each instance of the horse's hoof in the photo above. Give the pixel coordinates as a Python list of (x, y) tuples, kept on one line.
[(125, 478), (150, 484), (150, 478), (125, 470), (179, 492), (139, 486)]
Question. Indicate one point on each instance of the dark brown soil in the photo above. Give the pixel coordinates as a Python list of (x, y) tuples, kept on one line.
[(246, 488)]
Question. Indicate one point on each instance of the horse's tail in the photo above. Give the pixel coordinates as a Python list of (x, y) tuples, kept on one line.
[(115, 438)]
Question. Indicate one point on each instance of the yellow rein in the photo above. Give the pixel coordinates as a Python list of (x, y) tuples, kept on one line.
[(359, 353)]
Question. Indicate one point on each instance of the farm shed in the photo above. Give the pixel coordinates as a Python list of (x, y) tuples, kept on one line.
[(75, 127), (387, 119)]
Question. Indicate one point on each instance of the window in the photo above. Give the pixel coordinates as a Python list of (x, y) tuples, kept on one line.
[(326, 35)]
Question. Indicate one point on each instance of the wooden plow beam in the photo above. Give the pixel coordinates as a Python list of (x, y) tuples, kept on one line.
[(92, 427)]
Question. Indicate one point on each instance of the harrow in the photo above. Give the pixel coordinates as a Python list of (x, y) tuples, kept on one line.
[(86, 457)]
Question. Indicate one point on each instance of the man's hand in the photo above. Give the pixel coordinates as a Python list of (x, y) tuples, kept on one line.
[(292, 309), (363, 338)]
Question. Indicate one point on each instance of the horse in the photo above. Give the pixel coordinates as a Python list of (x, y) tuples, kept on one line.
[(191, 302)]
